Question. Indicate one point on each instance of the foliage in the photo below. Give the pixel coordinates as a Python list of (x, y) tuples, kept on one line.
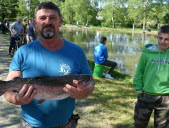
[(81, 12), (57, 2), (134, 11), (26, 8), (166, 19), (156, 15), (67, 11), (22, 8), (114, 13), (7, 9)]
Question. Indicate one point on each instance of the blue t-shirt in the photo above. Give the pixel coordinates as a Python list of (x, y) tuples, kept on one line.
[(31, 29), (34, 60), (17, 28), (100, 53)]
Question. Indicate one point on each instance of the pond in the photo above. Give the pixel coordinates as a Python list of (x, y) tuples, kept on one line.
[(123, 48)]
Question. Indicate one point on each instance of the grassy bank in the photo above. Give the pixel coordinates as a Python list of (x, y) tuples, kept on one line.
[(110, 106)]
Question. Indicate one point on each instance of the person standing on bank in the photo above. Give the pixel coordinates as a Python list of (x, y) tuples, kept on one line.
[(16, 29), (49, 55), (151, 82), (31, 31), (101, 56)]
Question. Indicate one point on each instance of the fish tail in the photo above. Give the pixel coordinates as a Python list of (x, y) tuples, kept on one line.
[(2, 87)]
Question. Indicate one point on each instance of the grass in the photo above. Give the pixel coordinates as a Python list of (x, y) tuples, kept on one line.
[(110, 106)]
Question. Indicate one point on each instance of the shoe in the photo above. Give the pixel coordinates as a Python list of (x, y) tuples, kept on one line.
[(104, 74), (108, 76)]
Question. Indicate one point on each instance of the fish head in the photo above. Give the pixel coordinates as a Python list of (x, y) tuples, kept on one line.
[(85, 80)]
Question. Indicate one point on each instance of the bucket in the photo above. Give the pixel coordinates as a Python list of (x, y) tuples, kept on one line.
[(98, 70)]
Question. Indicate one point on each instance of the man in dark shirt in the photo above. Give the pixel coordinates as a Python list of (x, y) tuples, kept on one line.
[(31, 31)]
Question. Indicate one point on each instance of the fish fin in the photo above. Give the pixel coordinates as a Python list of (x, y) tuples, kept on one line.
[(42, 77)]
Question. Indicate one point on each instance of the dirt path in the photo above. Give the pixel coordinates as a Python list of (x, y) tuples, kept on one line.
[(9, 113)]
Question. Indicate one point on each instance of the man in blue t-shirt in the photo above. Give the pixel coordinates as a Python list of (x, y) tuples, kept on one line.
[(101, 55), (52, 56), (16, 29)]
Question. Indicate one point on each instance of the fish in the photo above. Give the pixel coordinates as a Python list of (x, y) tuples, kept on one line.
[(48, 87)]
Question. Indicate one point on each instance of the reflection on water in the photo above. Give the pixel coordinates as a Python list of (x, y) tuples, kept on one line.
[(123, 48)]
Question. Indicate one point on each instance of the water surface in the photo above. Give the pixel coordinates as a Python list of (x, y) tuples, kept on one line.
[(123, 47)]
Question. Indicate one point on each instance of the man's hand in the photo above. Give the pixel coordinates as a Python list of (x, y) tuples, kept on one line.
[(25, 95), (78, 91)]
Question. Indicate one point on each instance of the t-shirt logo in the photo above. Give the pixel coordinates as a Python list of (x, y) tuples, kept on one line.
[(64, 68)]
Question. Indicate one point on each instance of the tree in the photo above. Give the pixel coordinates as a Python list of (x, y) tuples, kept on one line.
[(81, 12), (67, 11), (84, 12), (7, 9), (26, 8), (32, 5), (137, 11), (57, 2), (108, 16), (23, 8), (114, 12), (159, 10), (166, 19)]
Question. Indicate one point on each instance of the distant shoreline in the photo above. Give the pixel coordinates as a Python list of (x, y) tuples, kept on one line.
[(106, 29)]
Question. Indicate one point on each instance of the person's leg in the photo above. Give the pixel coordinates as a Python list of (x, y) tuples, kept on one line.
[(27, 39), (161, 113), (110, 64), (142, 113), (12, 44), (18, 42)]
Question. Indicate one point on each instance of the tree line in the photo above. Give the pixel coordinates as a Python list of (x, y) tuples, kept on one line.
[(105, 13)]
